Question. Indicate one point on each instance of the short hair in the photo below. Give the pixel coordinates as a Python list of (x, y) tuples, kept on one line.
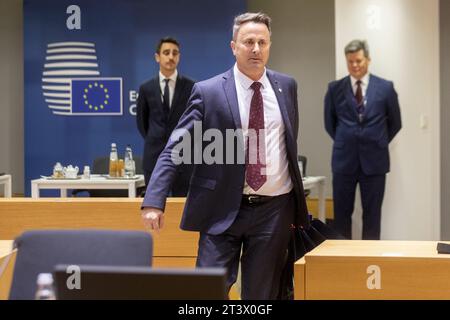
[(356, 45), (165, 40), (258, 17)]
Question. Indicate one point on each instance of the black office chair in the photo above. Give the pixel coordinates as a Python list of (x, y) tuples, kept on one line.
[(101, 166), (302, 160), (40, 251)]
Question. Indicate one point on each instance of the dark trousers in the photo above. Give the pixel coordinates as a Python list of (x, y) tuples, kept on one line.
[(262, 231), (372, 193)]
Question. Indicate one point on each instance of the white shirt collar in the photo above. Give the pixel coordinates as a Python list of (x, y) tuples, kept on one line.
[(172, 77), (246, 82), (364, 80)]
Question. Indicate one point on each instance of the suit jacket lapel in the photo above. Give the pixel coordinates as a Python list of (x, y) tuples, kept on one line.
[(282, 103), (229, 87), (350, 97), (370, 95), (156, 88), (179, 86)]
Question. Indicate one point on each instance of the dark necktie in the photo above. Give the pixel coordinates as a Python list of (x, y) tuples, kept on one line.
[(358, 94), (166, 96), (256, 154), (359, 100)]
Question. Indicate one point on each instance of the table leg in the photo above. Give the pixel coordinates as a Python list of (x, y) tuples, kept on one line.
[(8, 188), (132, 190), (63, 193), (34, 190), (321, 194)]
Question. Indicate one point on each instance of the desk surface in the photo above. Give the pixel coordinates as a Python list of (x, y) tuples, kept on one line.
[(373, 270), (95, 179), (5, 177), (367, 248), (5, 247)]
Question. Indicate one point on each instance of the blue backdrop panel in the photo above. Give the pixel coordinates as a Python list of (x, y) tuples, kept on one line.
[(85, 60)]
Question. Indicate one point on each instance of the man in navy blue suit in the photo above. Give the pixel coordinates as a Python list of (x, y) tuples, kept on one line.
[(362, 116), (248, 197), (160, 104)]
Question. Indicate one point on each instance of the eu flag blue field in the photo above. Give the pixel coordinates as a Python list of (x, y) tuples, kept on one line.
[(97, 96)]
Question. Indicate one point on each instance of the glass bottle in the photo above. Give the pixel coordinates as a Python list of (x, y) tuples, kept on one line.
[(130, 170), (121, 168), (113, 161), (45, 290)]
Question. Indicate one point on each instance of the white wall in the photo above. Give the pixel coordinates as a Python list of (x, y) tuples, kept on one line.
[(11, 92), (445, 117), (403, 36), (303, 47)]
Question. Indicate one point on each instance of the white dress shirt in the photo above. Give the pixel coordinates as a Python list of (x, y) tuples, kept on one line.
[(172, 83), (364, 85), (277, 170)]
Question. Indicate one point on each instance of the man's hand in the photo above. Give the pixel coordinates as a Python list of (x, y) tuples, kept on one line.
[(153, 218)]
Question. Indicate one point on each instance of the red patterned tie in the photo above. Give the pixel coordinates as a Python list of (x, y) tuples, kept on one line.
[(255, 163)]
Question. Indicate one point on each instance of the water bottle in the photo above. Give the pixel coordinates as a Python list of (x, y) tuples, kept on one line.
[(129, 163), (45, 290), (121, 168), (113, 161)]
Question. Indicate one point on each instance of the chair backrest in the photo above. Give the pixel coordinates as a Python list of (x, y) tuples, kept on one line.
[(101, 165), (40, 251)]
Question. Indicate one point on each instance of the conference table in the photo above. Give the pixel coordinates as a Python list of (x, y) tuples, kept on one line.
[(6, 181), (96, 181), (319, 183)]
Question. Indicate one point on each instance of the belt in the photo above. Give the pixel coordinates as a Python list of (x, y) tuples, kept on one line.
[(253, 199)]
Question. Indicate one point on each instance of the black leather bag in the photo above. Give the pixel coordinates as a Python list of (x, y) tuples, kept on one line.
[(307, 239), (302, 241)]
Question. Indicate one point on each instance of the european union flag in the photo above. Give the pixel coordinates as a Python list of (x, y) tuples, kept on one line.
[(101, 96)]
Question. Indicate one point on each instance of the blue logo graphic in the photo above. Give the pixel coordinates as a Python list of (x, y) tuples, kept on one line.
[(96, 96), (72, 83)]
